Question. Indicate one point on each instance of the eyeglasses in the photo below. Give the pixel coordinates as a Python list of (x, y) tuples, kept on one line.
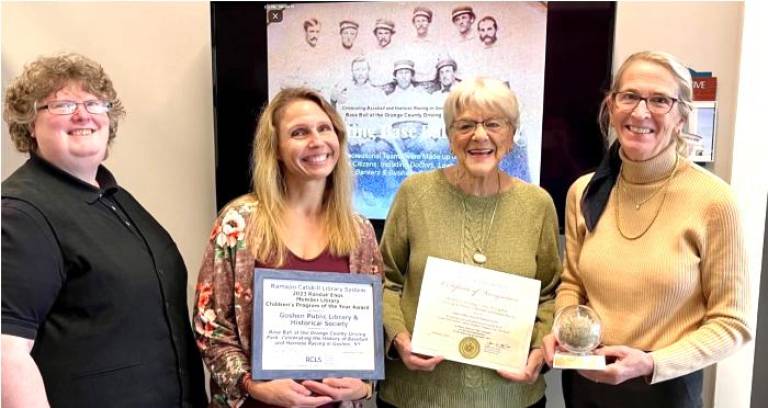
[(69, 107), (465, 127), (658, 104)]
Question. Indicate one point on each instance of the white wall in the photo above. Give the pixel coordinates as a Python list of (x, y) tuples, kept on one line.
[(159, 58), (749, 180)]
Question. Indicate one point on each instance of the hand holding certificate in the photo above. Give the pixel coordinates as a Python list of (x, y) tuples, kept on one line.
[(475, 316)]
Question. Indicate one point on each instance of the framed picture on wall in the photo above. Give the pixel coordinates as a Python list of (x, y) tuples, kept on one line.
[(700, 132)]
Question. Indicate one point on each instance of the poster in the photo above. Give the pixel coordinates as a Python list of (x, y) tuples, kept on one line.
[(387, 68)]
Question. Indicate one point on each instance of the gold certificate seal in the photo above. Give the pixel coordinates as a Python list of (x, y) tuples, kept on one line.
[(469, 347)]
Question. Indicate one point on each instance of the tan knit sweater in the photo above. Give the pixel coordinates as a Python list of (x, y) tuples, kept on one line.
[(680, 290)]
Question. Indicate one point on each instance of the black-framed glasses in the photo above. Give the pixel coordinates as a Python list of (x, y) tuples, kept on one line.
[(465, 127), (658, 104), (95, 106)]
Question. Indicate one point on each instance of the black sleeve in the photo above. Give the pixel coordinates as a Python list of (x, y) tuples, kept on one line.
[(32, 267)]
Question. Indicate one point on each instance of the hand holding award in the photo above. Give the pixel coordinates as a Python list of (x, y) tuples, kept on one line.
[(577, 329)]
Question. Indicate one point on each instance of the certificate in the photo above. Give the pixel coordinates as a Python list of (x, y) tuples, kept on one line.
[(475, 316), (312, 325)]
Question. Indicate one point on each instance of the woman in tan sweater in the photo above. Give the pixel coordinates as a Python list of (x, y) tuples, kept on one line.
[(654, 246)]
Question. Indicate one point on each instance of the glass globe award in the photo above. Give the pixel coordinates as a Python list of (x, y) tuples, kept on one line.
[(577, 329)]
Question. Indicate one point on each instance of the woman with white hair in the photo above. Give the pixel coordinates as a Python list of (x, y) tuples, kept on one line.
[(474, 213)]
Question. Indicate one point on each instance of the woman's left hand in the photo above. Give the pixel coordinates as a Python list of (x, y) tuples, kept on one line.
[(340, 389), (630, 363), (531, 372)]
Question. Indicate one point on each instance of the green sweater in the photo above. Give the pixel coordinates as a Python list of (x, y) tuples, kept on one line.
[(428, 218)]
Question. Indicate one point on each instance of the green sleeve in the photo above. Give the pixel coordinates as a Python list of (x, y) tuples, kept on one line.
[(395, 252), (548, 268)]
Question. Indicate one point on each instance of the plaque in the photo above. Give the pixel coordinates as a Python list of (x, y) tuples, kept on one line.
[(313, 325)]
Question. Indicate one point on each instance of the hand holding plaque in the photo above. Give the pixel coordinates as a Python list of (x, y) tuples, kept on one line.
[(316, 325), (577, 329)]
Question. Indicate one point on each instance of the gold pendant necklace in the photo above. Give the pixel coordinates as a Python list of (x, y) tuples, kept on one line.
[(478, 256), (637, 205)]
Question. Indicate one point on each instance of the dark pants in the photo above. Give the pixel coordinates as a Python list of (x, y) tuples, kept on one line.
[(542, 403), (681, 392)]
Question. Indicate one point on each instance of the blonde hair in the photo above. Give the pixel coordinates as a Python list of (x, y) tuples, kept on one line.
[(684, 95), (45, 76), (269, 187)]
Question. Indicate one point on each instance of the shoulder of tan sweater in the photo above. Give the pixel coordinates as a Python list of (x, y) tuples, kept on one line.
[(578, 186), (702, 182), (702, 175), (708, 193)]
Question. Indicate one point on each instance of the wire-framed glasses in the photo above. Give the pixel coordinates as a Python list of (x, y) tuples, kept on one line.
[(95, 106), (658, 104), (465, 127)]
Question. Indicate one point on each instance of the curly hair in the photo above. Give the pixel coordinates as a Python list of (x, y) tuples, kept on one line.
[(45, 76)]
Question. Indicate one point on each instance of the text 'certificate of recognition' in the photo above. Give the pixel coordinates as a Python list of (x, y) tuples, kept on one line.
[(316, 325), (475, 316)]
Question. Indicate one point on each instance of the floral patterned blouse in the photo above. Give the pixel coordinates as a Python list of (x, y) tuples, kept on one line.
[(222, 313)]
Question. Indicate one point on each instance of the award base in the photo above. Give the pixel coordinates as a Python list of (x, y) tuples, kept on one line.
[(573, 361)]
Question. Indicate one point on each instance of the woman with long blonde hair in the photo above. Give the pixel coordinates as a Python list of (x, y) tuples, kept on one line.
[(299, 216)]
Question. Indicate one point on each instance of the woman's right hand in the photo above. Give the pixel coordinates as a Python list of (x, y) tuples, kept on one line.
[(285, 393), (550, 345), (414, 362)]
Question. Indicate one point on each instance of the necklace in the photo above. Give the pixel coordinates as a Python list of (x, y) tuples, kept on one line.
[(478, 256), (637, 205)]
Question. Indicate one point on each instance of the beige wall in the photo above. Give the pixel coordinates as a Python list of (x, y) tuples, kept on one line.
[(159, 58)]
